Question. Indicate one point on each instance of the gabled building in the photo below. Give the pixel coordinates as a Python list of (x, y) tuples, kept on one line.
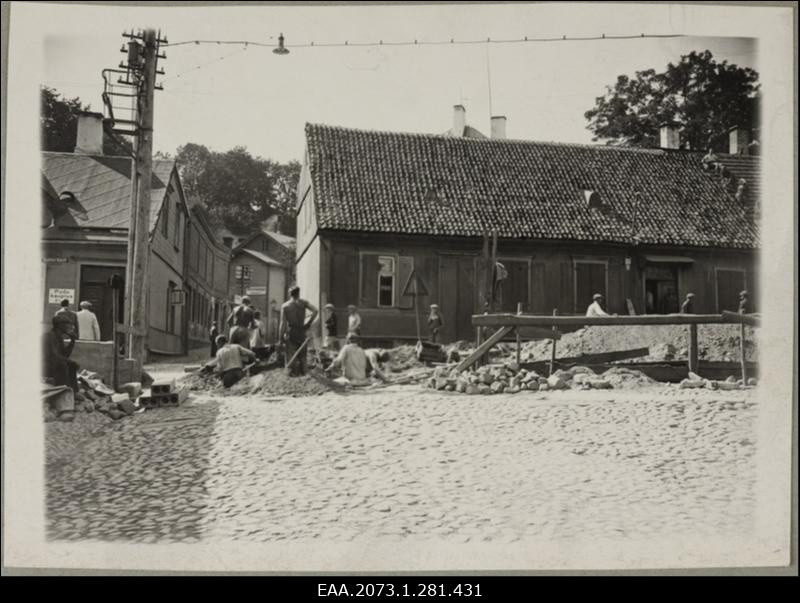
[(642, 226), (262, 268), (88, 197)]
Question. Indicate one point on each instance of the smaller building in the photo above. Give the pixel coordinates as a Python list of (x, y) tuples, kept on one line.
[(262, 268)]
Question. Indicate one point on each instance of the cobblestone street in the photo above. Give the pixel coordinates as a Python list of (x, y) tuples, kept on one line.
[(407, 463)]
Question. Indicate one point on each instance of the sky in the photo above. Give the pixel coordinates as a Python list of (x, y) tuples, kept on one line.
[(251, 97)]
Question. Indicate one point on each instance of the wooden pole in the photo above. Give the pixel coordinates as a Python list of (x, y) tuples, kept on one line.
[(519, 337), (114, 351), (144, 169), (693, 348), (493, 265), (416, 307), (553, 349), (742, 358)]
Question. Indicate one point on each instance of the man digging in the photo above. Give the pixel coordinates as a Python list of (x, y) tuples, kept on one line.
[(292, 330)]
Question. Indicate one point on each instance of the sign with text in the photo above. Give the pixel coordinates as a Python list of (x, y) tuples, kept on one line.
[(257, 290), (55, 260), (56, 295)]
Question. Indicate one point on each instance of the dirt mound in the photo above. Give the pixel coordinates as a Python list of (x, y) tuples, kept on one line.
[(276, 382), (666, 342), (623, 378)]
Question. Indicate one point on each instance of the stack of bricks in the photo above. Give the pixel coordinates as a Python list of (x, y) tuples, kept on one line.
[(163, 394)]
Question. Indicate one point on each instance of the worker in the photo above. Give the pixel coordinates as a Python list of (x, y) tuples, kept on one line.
[(377, 358), (596, 307), (353, 363), (212, 336), (88, 327), (241, 322), (230, 361), (57, 367), (744, 303), (73, 318), (687, 307), (293, 327), (257, 332), (330, 341), (710, 161), (353, 320), (435, 323)]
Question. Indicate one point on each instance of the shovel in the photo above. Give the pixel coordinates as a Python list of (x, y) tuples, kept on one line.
[(294, 357)]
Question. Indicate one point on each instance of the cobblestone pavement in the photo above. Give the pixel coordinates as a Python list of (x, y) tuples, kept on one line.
[(411, 463)]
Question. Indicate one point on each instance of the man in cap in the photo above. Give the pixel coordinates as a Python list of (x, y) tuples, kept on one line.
[(596, 307), (241, 321), (435, 323), (744, 302), (66, 311), (293, 327), (88, 327), (687, 307)]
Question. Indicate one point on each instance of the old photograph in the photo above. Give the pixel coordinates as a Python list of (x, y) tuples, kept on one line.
[(399, 288)]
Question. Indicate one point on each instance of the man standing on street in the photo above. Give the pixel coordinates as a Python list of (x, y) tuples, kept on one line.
[(293, 327), (88, 327), (57, 368), (212, 336)]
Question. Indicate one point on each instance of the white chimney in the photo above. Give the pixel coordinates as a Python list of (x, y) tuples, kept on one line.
[(459, 120), (670, 138), (738, 141), (499, 127), (90, 133)]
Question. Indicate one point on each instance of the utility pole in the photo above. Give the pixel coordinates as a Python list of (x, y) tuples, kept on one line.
[(143, 175)]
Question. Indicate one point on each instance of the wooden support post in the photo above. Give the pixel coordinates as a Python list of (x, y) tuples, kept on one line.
[(742, 358), (553, 349), (484, 348), (114, 350), (519, 337), (693, 348)]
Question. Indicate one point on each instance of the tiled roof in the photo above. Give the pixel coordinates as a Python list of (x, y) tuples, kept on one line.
[(437, 185), (280, 238), (102, 188), (263, 257)]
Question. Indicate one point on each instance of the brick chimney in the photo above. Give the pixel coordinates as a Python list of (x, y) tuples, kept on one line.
[(90, 133), (459, 120), (669, 136), (498, 127), (738, 141)]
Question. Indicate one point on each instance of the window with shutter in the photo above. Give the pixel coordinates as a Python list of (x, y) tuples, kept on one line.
[(369, 280)]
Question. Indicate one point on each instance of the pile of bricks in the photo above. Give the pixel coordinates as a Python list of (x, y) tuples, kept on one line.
[(163, 394)]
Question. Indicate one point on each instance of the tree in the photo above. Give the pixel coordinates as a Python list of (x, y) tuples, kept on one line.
[(704, 96), (59, 125), (238, 190)]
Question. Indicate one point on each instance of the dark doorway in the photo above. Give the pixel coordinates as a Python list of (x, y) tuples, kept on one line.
[(458, 292), (661, 290), (590, 278), (95, 289), (515, 288)]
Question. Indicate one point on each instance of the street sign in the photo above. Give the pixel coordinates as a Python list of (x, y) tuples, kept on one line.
[(55, 260), (414, 285), (56, 295), (257, 290)]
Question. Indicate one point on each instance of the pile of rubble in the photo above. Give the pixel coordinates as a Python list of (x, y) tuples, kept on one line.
[(695, 381), (510, 378), (94, 396)]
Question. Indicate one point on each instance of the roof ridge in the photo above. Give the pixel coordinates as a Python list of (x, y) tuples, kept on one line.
[(510, 141)]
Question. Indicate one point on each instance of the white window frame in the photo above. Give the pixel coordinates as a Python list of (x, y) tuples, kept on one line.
[(394, 259)]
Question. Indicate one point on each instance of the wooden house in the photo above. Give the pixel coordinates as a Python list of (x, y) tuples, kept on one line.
[(644, 227)]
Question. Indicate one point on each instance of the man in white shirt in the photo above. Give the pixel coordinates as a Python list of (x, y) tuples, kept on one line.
[(88, 327), (353, 363), (596, 308)]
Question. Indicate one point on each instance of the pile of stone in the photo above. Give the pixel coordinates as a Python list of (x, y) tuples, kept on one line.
[(93, 396), (695, 381), (510, 378)]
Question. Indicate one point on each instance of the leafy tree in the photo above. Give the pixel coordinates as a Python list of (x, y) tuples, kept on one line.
[(705, 96), (59, 125), (238, 190)]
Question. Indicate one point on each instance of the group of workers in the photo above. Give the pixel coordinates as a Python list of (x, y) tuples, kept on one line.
[(687, 307)]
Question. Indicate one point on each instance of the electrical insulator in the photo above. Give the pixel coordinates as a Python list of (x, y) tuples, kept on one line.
[(134, 53)]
